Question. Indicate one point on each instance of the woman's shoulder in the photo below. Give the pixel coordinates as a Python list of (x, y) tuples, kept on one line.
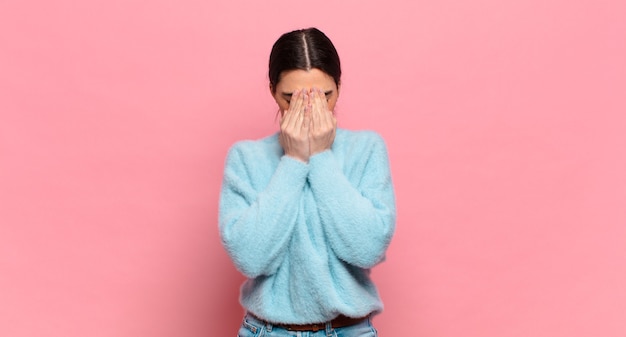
[(257, 147), (363, 134), (359, 138), (266, 141)]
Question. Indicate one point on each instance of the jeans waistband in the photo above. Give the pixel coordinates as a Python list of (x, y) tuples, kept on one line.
[(339, 322)]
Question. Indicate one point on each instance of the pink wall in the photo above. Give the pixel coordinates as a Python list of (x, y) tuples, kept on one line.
[(505, 122)]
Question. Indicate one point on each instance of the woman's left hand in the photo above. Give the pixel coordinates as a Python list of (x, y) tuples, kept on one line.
[(323, 123)]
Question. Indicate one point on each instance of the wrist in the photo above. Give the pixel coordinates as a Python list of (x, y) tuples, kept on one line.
[(304, 159), (319, 151)]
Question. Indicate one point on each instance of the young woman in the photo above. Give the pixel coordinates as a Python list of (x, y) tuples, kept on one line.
[(305, 213)]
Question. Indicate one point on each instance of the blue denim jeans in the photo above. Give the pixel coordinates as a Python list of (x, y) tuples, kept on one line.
[(252, 327)]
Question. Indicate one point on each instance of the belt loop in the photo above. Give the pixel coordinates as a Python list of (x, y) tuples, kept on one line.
[(329, 329), (269, 326)]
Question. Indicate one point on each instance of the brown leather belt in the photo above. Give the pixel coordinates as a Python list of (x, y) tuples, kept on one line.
[(340, 321)]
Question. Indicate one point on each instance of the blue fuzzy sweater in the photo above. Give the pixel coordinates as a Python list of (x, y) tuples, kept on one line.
[(306, 235)]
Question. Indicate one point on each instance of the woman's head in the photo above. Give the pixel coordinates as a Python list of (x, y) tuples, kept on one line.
[(303, 59)]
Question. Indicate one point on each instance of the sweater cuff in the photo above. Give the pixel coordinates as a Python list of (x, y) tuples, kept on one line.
[(323, 164), (291, 172)]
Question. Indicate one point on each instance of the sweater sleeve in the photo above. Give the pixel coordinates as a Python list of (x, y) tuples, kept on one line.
[(358, 218), (255, 226)]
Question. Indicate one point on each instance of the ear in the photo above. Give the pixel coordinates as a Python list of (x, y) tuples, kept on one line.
[(272, 89)]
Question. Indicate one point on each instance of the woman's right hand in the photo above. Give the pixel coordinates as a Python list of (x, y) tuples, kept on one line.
[(294, 127)]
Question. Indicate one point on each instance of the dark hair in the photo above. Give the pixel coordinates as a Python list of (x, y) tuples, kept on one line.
[(303, 49)]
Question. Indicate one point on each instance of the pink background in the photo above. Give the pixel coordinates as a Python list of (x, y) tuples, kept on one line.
[(505, 122)]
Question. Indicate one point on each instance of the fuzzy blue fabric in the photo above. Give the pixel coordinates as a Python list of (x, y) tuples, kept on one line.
[(306, 234)]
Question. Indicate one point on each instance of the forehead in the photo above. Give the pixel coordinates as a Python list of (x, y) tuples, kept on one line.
[(298, 79)]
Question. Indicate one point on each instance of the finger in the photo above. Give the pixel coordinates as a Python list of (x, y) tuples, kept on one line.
[(295, 107), (306, 121), (296, 101), (305, 109), (316, 114), (321, 109), (323, 102), (289, 111), (329, 114), (298, 116), (301, 107), (313, 120), (286, 118), (306, 99), (308, 107), (304, 131), (320, 98)]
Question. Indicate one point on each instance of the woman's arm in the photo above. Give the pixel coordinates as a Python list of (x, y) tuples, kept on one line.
[(256, 226), (359, 220)]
